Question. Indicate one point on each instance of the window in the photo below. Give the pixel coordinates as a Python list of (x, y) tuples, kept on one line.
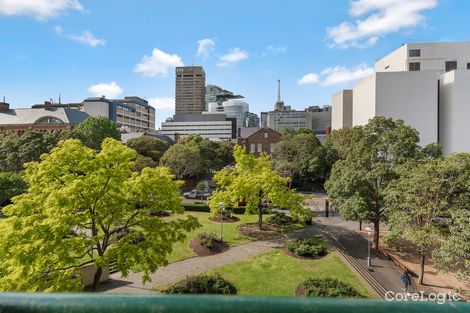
[(252, 147), (451, 65), (260, 148), (468, 66), (414, 66), (413, 53), (271, 148), (266, 135)]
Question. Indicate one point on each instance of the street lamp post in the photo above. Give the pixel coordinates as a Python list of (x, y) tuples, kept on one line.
[(369, 260), (221, 213)]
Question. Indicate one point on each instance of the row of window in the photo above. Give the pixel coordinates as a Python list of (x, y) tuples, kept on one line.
[(450, 66), (258, 147)]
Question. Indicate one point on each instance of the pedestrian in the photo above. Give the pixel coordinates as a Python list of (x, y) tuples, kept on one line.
[(406, 280)]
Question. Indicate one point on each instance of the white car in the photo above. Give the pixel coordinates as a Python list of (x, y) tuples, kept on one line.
[(196, 194)]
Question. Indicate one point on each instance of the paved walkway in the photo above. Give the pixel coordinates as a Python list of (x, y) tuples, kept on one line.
[(179, 270)]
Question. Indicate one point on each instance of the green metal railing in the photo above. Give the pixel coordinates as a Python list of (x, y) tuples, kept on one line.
[(80, 303)]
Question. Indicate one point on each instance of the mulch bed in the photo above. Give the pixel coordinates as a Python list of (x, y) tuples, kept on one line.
[(267, 232), (218, 247), (300, 290), (232, 219)]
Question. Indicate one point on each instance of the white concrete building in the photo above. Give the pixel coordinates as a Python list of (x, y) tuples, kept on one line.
[(426, 85), (436, 56), (410, 96), (208, 125), (341, 109), (454, 111)]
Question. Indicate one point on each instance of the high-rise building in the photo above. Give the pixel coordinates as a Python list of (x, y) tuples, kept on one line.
[(190, 90)]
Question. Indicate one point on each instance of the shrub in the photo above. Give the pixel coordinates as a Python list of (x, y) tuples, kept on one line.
[(307, 247), (280, 219), (206, 240), (203, 284), (328, 287)]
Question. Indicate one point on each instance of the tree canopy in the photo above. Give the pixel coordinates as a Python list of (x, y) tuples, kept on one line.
[(148, 146), (194, 156), (299, 156), (17, 150), (87, 207), (11, 184), (255, 182), (358, 183), (94, 130), (429, 207)]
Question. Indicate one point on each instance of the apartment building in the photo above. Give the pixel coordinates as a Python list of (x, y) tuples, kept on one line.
[(190, 90), (426, 85)]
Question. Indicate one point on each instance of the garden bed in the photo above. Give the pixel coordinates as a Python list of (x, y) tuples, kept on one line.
[(207, 244), (230, 219)]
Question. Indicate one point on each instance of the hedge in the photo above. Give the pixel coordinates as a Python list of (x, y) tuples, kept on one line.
[(205, 208)]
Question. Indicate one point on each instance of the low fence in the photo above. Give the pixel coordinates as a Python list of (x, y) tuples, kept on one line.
[(80, 303)]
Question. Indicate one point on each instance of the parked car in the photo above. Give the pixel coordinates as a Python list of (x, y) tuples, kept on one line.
[(196, 194)]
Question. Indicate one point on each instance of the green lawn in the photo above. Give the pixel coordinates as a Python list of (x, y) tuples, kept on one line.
[(182, 251), (277, 274)]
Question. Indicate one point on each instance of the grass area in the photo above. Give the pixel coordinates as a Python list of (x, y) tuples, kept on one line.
[(277, 274), (182, 251)]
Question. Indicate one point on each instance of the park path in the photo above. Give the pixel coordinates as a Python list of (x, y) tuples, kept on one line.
[(132, 284)]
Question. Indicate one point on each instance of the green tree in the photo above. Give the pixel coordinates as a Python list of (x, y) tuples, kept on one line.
[(142, 162), (149, 146), (357, 184), (11, 184), (17, 150), (215, 154), (87, 207), (427, 197), (254, 181), (94, 130), (299, 155), (185, 161)]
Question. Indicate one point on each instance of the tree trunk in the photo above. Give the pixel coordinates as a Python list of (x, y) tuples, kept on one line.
[(376, 233), (97, 278), (421, 269), (260, 216), (360, 225)]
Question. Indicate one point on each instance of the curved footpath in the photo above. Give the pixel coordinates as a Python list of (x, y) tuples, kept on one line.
[(132, 284)]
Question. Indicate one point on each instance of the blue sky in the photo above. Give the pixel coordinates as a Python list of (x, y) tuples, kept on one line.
[(82, 48)]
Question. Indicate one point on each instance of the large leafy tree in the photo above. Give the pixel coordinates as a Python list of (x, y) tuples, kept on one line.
[(94, 130), (358, 183), (254, 181), (17, 150), (428, 206), (149, 146), (87, 207), (215, 154), (11, 184), (299, 155), (185, 161)]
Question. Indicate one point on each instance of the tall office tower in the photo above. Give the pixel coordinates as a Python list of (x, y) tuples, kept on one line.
[(190, 90)]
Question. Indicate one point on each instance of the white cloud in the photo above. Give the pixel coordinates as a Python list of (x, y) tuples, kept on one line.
[(337, 75), (274, 50), (110, 90), (158, 64), (205, 47), (233, 56), (40, 9), (162, 103), (379, 17), (310, 78), (86, 37)]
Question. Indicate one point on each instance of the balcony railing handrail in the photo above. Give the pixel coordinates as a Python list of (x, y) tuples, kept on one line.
[(103, 303)]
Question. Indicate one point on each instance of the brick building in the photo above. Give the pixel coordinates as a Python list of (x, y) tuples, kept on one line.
[(44, 119), (259, 139)]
